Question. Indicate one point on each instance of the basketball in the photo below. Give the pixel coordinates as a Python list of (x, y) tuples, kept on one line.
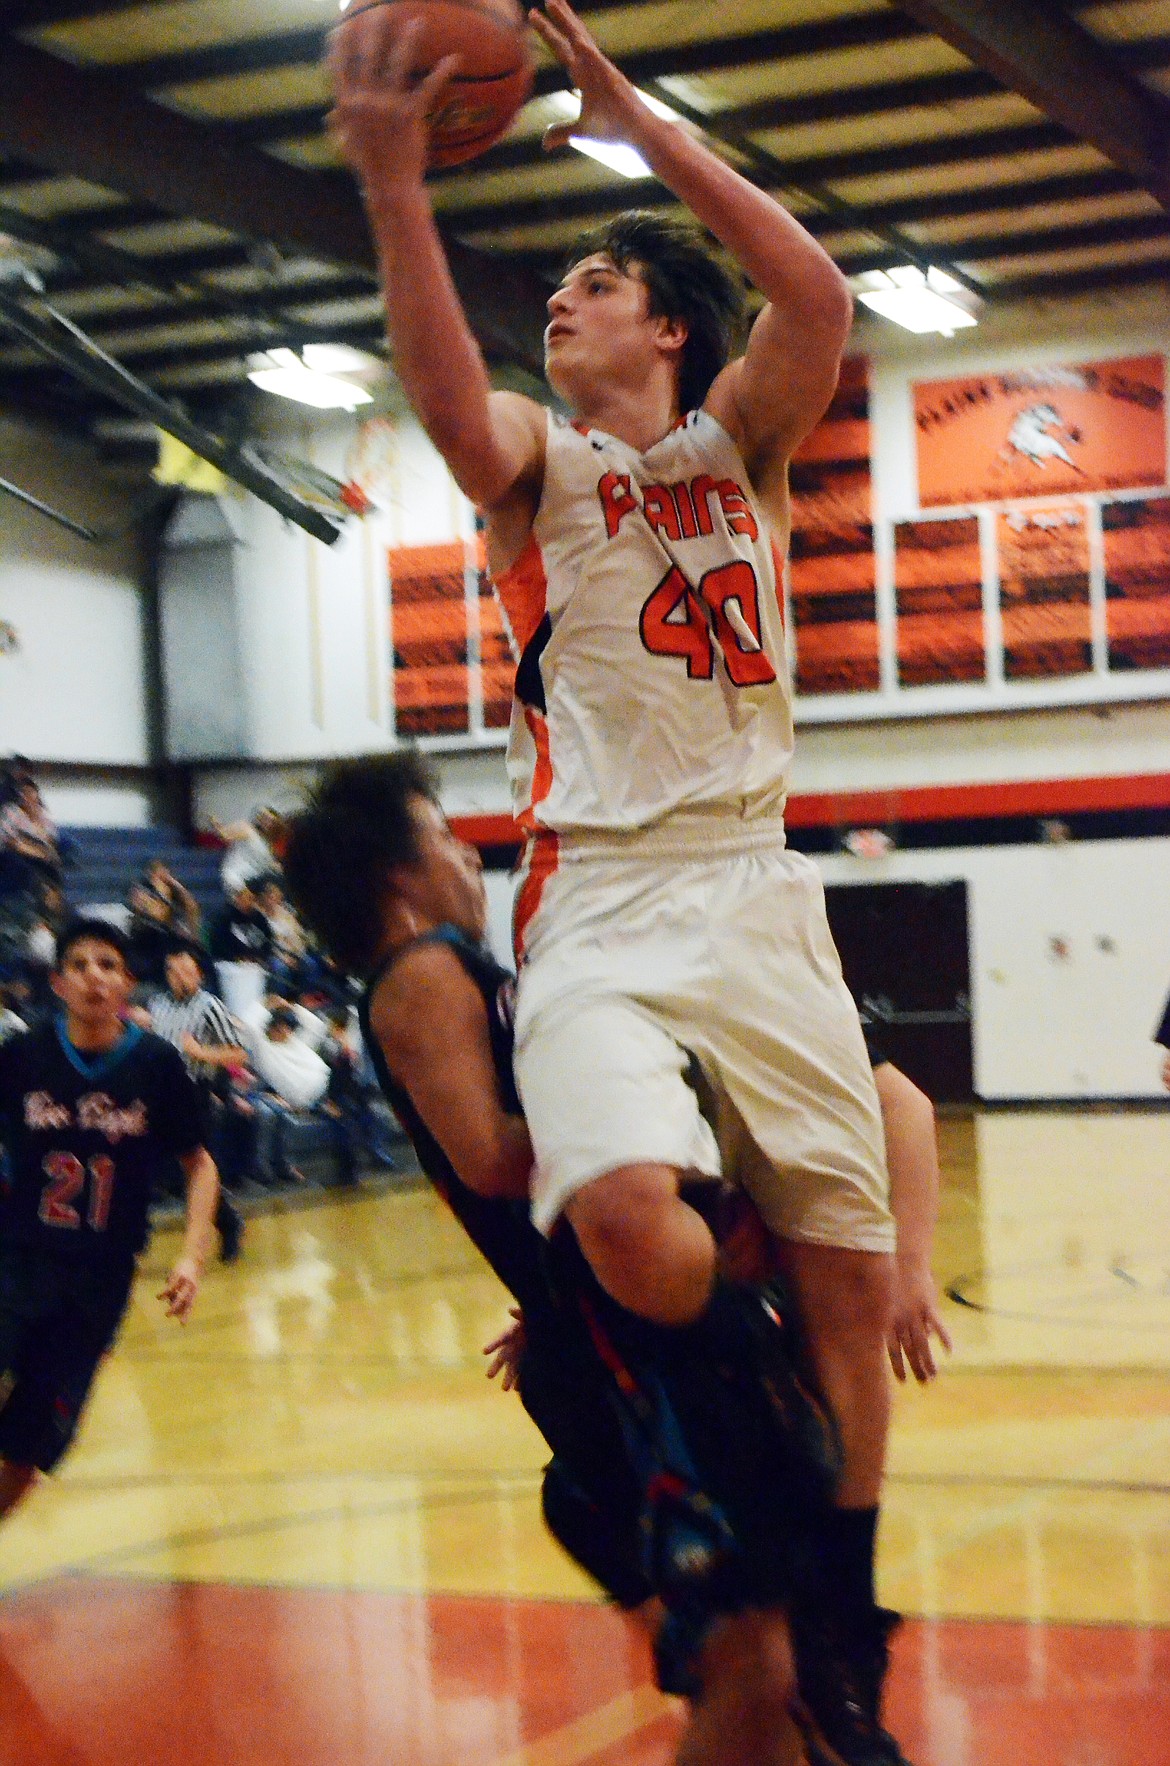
[(494, 76)]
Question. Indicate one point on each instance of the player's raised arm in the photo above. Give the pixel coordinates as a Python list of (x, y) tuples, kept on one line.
[(491, 441), (774, 394)]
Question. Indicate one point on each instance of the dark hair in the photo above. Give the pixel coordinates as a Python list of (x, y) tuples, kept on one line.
[(83, 926), (685, 280), (183, 947), (354, 829), (282, 1018)]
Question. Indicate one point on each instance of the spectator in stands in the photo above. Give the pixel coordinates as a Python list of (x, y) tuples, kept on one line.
[(28, 835), (186, 1015), (241, 943), (354, 1097), (287, 941), (287, 1066), (253, 1020), (1162, 1038), (181, 911), (14, 877), (149, 936), (253, 849), (13, 773), (292, 1077), (11, 1024)]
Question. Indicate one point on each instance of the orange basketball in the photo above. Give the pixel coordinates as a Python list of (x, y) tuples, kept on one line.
[(494, 76)]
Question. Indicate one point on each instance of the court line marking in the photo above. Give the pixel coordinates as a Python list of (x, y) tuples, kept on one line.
[(82, 1580), (519, 1479), (584, 1737), (236, 1531)]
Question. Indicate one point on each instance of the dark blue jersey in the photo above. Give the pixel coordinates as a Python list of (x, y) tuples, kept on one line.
[(500, 1230), (86, 1136)]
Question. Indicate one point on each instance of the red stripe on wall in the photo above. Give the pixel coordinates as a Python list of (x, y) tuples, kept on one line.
[(922, 803)]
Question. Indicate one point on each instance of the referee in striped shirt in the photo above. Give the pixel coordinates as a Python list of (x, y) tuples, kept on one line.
[(201, 1028)]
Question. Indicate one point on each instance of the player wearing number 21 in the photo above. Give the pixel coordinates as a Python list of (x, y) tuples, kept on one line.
[(90, 1109), (635, 548)]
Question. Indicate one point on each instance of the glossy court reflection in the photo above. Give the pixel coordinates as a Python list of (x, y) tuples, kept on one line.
[(306, 1530)]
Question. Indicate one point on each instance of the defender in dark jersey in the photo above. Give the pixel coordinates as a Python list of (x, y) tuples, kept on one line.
[(392, 894), (387, 888), (90, 1107)]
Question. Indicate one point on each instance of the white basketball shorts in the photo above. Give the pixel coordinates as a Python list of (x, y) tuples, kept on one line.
[(721, 949)]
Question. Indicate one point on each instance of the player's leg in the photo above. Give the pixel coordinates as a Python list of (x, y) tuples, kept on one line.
[(649, 1249), (15, 1483), (76, 1314), (27, 1296), (803, 1133), (742, 1714), (615, 1127), (845, 1300)]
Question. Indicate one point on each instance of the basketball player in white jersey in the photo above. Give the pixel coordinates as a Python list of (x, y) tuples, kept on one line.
[(661, 915)]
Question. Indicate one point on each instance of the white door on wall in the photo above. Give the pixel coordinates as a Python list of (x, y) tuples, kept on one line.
[(1070, 965)]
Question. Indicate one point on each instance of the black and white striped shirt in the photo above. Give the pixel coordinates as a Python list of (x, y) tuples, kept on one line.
[(202, 1016)]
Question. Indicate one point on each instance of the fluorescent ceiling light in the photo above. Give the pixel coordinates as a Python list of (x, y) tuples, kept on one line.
[(284, 373), (615, 154), (930, 301), (338, 358)]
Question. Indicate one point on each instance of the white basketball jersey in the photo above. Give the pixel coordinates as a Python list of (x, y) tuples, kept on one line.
[(653, 674)]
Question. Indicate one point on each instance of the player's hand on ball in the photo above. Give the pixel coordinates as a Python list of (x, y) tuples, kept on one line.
[(379, 117), (609, 104), (182, 1285)]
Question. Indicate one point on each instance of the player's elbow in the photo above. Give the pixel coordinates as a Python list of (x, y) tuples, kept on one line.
[(500, 1167), (834, 310)]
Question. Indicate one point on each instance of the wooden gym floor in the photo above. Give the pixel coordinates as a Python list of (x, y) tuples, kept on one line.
[(304, 1531)]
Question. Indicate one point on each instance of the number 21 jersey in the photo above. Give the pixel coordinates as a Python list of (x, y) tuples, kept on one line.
[(86, 1136)]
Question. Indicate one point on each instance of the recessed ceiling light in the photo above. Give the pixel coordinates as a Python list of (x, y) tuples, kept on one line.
[(289, 376), (617, 155), (920, 300)]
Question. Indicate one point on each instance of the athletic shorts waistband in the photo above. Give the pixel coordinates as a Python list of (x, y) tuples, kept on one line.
[(686, 834)]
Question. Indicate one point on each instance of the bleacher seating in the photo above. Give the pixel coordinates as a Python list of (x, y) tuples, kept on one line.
[(104, 862)]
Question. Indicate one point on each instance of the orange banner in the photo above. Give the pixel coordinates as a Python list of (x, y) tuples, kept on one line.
[(1044, 591), (1137, 582), (428, 596), (831, 570), (1039, 432), (938, 585)]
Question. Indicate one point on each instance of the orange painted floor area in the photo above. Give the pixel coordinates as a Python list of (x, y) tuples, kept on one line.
[(305, 1530), (104, 1671)]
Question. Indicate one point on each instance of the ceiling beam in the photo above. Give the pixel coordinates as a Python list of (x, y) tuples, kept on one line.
[(29, 15), (94, 125), (730, 48), (991, 247), (1071, 76), (587, 206), (1064, 284)]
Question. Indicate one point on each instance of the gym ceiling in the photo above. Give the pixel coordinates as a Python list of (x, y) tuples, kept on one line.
[(166, 169)]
